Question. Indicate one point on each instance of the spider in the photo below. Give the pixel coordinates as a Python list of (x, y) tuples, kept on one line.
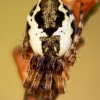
[(51, 39)]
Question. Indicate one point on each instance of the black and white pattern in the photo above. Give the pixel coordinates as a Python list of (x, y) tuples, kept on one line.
[(39, 22), (51, 40)]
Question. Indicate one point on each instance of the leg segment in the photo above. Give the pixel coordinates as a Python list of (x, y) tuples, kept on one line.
[(35, 83), (70, 56), (60, 76), (37, 76), (49, 79), (28, 80), (26, 51), (48, 86)]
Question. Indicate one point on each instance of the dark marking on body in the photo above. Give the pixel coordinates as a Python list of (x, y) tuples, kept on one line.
[(51, 45), (27, 24), (27, 29), (49, 31), (73, 25), (69, 12), (32, 11)]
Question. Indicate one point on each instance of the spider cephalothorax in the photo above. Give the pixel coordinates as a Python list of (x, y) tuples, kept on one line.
[(51, 39)]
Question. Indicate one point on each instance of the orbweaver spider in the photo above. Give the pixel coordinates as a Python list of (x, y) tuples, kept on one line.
[(51, 39)]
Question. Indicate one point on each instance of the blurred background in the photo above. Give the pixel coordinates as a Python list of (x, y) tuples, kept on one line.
[(85, 74)]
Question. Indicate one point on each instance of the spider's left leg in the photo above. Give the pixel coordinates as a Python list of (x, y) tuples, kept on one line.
[(48, 79), (60, 76), (70, 55)]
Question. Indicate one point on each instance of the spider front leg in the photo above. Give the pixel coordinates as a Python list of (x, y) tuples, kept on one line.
[(48, 86), (70, 55), (61, 76), (48, 78), (31, 69), (38, 73)]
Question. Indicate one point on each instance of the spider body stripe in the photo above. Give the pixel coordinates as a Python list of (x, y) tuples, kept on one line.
[(51, 39)]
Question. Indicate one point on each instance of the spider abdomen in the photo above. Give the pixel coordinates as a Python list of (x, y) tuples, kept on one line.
[(55, 22)]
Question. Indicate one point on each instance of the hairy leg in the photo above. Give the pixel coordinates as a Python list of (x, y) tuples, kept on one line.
[(26, 48), (70, 56)]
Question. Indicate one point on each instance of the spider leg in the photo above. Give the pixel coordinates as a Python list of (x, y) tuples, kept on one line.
[(65, 73), (37, 75), (70, 55), (48, 79), (48, 85), (26, 49), (60, 76), (28, 80)]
